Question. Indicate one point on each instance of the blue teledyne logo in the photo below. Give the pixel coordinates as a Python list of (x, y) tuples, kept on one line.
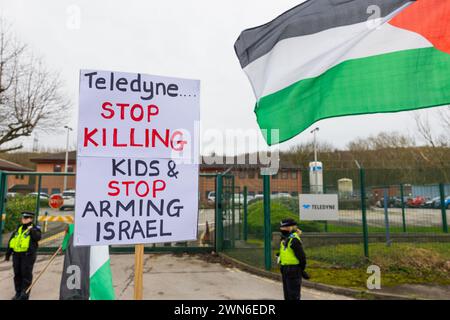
[(306, 206)]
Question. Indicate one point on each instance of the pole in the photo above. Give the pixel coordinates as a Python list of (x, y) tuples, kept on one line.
[(267, 226), (3, 182), (219, 215), (443, 209), (245, 236), (363, 212), (138, 271), (43, 270), (66, 163), (38, 200), (402, 195)]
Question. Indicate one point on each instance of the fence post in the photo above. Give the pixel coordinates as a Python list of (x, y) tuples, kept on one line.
[(245, 229), (219, 214), (2, 202), (38, 200), (443, 208), (363, 211), (402, 196), (267, 226), (233, 217), (386, 216)]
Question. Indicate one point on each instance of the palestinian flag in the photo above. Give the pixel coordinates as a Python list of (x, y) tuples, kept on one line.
[(87, 272), (331, 58)]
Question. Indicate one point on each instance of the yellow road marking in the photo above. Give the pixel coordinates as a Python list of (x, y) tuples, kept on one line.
[(53, 237)]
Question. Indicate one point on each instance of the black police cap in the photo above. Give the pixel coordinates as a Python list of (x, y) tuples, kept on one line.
[(27, 214), (288, 222)]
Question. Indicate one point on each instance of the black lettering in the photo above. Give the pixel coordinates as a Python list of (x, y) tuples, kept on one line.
[(120, 82), (177, 209), (90, 75), (115, 167), (89, 207), (100, 81), (161, 229), (149, 228), (160, 85), (137, 228), (119, 206), (154, 167), (136, 168), (104, 208), (97, 237), (110, 230), (148, 90), (136, 81), (172, 87), (159, 210), (123, 229)]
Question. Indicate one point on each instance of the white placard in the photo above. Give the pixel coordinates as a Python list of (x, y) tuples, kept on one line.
[(153, 122), (137, 159), (319, 207)]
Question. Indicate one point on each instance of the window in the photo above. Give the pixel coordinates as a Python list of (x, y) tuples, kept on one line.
[(57, 168), (294, 194), (275, 176), (56, 190), (242, 174), (20, 177), (284, 175), (294, 175), (44, 190), (206, 194), (69, 168), (251, 174)]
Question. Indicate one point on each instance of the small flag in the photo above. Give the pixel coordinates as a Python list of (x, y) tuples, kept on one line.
[(331, 58), (86, 273)]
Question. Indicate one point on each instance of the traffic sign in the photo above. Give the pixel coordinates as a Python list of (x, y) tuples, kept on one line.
[(55, 201)]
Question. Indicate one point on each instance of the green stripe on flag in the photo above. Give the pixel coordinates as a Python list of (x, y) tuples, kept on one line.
[(399, 81), (101, 285)]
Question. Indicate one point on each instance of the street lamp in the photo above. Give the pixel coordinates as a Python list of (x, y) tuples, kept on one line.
[(67, 156), (316, 182)]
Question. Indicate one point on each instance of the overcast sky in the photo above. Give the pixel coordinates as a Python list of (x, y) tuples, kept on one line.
[(179, 38)]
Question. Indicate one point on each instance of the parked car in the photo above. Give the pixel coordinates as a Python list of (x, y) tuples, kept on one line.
[(11, 194), (416, 202), (432, 203), (446, 203), (42, 196), (280, 195), (69, 200), (212, 197)]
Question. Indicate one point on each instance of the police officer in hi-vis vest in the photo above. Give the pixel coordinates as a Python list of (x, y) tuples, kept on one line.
[(23, 246), (292, 259)]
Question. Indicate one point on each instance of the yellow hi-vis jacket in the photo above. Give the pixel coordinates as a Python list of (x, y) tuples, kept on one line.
[(21, 240), (287, 255)]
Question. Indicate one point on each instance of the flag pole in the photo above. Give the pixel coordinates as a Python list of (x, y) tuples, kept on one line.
[(43, 270), (138, 271)]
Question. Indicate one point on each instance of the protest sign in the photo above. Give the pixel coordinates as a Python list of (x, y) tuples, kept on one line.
[(137, 161)]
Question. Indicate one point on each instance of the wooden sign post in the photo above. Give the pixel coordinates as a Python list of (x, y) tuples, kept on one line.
[(138, 271)]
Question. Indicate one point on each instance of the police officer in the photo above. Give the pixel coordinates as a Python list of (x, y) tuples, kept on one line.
[(23, 245), (292, 259)]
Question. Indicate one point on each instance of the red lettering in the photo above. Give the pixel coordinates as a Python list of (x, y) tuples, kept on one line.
[(112, 185), (122, 107), (132, 143), (153, 110), (156, 188), (180, 143), (147, 189), (133, 113), (127, 184), (88, 137), (156, 134), (115, 143)]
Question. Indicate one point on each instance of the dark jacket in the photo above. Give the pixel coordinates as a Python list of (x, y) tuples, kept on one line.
[(35, 236)]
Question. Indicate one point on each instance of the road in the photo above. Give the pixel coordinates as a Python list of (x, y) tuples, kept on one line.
[(166, 276)]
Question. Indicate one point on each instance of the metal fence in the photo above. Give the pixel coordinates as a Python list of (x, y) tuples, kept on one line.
[(371, 218)]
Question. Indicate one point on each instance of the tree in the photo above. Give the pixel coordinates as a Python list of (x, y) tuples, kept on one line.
[(30, 95)]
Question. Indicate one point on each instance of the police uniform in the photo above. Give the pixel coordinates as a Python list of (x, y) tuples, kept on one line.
[(292, 259), (22, 246)]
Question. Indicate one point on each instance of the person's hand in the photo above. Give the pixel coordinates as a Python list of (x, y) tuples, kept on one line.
[(305, 275), (7, 257)]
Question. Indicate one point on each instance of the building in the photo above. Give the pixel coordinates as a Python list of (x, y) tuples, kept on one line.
[(19, 183), (56, 163), (287, 180)]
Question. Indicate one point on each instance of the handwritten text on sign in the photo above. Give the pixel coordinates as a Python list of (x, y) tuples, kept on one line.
[(132, 186)]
